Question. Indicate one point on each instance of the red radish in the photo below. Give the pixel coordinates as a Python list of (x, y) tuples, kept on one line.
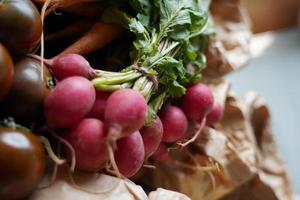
[(99, 106), (215, 115), (197, 101), (152, 136), (88, 140), (68, 65), (130, 154), (125, 113), (174, 123), (69, 102)]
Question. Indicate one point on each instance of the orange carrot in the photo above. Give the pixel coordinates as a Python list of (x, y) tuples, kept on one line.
[(97, 37), (76, 27), (55, 4), (85, 9)]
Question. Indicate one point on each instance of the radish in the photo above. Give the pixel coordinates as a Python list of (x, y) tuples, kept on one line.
[(98, 108), (197, 102), (130, 154), (88, 140), (215, 115), (69, 102), (125, 113), (152, 136), (68, 65), (174, 123)]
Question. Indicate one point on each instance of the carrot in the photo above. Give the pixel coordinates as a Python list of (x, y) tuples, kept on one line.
[(55, 4), (85, 9), (97, 37), (76, 27)]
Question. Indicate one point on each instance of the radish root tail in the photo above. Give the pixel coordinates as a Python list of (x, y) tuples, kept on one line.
[(68, 145), (112, 159), (202, 125), (50, 152), (149, 166), (44, 8)]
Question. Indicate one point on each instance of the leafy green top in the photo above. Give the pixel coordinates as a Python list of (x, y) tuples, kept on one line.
[(170, 39)]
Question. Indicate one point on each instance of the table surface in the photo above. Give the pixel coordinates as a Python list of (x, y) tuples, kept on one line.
[(274, 74)]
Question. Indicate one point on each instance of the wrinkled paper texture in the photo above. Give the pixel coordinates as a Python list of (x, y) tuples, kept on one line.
[(95, 186), (243, 147), (229, 49)]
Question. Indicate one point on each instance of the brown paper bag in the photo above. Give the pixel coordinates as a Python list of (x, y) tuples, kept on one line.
[(94, 186), (98, 186), (242, 146), (162, 194), (270, 180), (229, 49)]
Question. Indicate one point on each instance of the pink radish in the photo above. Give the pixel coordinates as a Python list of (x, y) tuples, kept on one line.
[(69, 102), (152, 136), (130, 154), (215, 115), (88, 140), (125, 113), (197, 102), (68, 65), (174, 123), (98, 108)]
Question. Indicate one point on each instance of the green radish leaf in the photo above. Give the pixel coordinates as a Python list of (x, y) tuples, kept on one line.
[(144, 9), (176, 89), (170, 40), (142, 44)]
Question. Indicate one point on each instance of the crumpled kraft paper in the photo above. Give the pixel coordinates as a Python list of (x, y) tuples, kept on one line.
[(99, 187), (162, 194), (229, 49), (243, 147), (270, 180)]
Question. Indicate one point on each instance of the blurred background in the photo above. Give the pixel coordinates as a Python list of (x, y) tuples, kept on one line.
[(274, 72)]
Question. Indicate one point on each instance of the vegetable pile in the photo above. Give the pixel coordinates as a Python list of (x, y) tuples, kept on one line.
[(125, 108)]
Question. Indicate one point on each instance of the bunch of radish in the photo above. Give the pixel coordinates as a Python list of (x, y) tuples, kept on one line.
[(98, 124), (115, 121)]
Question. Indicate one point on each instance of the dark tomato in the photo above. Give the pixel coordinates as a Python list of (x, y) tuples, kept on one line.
[(22, 161), (6, 71), (26, 97), (20, 25)]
